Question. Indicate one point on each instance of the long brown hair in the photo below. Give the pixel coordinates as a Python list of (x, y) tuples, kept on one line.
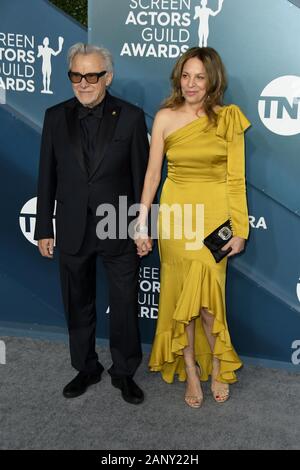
[(216, 80)]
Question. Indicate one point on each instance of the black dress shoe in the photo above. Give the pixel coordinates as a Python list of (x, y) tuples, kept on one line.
[(81, 382), (131, 392)]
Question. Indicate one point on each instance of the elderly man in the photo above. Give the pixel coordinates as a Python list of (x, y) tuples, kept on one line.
[(94, 150)]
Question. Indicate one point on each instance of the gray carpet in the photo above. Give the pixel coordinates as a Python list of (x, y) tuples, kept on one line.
[(262, 413)]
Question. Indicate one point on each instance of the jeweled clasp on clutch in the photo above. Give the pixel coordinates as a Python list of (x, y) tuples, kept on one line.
[(225, 233)]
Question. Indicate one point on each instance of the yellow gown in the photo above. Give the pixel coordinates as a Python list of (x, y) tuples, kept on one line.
[(206, 165)]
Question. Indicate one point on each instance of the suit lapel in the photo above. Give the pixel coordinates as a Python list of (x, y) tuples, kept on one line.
[(74, 133), (107, 130)]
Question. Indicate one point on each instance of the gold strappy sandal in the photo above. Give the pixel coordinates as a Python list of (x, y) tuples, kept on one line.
[(194, 401), (220, 390)]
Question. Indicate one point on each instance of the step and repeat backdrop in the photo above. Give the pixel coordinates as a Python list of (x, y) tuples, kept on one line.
[(258, 41)]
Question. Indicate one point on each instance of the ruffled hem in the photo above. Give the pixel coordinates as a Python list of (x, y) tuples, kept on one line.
[(200, 289)]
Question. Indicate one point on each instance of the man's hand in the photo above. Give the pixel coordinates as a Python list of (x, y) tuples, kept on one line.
[(237, 244), (144, 245), (46, 247)]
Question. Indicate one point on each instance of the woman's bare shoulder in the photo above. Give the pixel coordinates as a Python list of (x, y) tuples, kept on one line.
[(165, 116), (165, 113)]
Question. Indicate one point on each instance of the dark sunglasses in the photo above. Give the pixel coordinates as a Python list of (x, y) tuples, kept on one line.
[(92, 78)]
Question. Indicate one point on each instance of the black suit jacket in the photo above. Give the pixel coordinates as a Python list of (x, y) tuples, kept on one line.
[(123, 149)]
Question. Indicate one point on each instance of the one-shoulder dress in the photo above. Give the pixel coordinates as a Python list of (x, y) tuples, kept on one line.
[(206, 165)]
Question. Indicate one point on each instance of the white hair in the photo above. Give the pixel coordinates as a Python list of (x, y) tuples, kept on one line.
[(85, 49)]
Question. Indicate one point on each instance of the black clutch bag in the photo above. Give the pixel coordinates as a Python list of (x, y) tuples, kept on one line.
[(217, 239)]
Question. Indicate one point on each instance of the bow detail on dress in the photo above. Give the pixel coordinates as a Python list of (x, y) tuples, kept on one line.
[(231, 120)]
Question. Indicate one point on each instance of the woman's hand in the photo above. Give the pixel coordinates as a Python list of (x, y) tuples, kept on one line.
[(237, 244)]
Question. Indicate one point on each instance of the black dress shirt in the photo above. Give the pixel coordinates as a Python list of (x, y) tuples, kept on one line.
[(90, 121)]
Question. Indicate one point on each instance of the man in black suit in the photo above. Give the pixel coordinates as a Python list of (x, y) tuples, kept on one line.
[(94, 149)]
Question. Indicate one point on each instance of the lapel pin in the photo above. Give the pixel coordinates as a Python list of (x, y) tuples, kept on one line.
[(114, 113)]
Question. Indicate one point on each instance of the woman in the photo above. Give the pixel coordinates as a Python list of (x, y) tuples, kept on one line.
[(204, 144)]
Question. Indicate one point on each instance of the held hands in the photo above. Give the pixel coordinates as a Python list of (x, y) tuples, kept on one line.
[(144, 244), (142, 240), (46, 247), (237, 244)]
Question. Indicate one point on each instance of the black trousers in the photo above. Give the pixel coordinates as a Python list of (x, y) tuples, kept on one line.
[(78, 283)]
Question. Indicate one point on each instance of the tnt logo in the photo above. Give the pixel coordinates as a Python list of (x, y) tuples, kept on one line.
[(27, 219), (279, 105)]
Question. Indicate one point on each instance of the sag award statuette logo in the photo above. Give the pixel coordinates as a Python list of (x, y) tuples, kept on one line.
[(46, 53), (203, 13)]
